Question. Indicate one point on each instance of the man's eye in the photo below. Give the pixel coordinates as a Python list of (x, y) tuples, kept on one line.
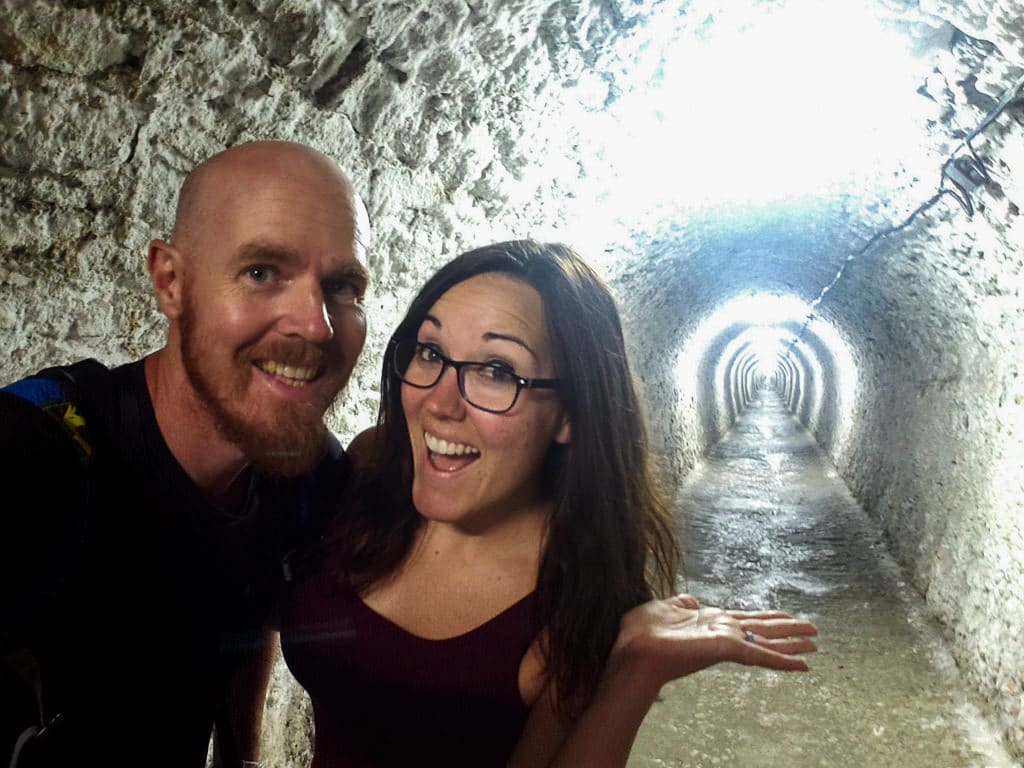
[(343, 290), (259, 273)]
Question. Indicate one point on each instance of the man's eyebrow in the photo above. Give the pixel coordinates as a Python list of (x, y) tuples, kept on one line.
[(356, 271), (265, 253)]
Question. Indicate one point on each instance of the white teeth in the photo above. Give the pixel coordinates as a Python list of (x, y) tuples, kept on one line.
[(436, 445), (291, 374)]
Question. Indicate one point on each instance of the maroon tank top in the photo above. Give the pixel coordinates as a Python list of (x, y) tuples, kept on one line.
[(384, 698)]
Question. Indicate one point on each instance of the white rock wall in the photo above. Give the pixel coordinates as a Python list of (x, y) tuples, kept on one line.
[(438, 111), (930, 439), (936, 316)]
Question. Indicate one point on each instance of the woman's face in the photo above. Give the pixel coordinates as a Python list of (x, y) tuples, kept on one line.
[(473, 467)]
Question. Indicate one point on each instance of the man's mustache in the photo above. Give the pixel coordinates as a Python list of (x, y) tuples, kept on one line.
[(297, 353)]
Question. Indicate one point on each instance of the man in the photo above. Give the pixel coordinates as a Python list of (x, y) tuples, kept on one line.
[(140, 551)]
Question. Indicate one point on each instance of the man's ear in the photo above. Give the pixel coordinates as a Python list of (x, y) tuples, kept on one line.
[(564, 433), (166, 271)]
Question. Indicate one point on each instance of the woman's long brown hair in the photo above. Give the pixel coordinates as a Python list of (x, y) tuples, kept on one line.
[(612, 541)]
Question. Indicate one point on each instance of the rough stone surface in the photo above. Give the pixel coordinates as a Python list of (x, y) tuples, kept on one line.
[(467, 122)]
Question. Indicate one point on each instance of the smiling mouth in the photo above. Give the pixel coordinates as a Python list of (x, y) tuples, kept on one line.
[(439, 447), (292, 375)]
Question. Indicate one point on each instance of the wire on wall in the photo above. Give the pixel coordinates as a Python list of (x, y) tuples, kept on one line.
[(962, 175)]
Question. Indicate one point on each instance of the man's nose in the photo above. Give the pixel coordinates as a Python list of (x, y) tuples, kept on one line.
[(307, 315)]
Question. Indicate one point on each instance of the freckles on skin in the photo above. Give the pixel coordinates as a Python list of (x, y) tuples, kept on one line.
[(487, 318)]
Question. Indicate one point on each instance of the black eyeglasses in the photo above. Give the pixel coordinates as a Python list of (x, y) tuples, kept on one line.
[(491, 387)]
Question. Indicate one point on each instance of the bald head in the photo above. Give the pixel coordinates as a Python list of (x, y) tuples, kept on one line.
[(217, 187), (262, 286)]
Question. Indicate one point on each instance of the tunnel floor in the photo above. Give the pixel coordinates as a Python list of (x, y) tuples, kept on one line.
[(769, 525)]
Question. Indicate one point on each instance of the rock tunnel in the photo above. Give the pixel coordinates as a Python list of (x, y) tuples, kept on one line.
[(820, 200)]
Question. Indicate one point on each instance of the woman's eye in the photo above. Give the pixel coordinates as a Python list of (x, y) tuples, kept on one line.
[(499, 373), (430, 354)]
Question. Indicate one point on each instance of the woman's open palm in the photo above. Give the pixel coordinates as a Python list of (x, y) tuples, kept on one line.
[(677, 637)]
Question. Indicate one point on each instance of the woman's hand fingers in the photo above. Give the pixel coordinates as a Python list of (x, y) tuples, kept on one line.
[(779, 627), (774, 640), (788, 645), (756, 655)]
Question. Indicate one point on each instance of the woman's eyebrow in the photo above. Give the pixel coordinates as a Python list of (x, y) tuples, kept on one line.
[(492, 336)]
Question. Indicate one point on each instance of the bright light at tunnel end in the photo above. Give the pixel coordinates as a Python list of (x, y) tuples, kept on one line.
[(769, 317), (763, 326)]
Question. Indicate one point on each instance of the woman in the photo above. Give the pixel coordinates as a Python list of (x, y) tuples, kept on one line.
[(503, 521)]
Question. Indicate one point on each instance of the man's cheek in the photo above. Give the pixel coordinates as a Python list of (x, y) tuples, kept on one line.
[(351, 334)]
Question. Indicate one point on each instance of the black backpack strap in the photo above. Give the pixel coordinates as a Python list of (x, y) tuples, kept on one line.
[(55, 457), (49, 461), (104, 401)]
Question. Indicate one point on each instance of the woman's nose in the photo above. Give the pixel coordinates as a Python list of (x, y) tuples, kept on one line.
[(444, 398)]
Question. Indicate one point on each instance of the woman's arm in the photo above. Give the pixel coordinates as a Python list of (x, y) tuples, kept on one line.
[(659, 641)]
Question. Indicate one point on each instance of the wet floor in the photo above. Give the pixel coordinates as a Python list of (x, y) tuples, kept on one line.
[(770, 525)]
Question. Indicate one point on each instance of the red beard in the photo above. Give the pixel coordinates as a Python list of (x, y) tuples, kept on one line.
[(289, 442)]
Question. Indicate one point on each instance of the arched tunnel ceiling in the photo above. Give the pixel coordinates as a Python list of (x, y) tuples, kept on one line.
[(684, 263), (505, 106), (691, 267), (798, 245), (464, 122)]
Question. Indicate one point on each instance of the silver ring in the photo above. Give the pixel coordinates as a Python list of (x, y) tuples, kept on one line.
[(749, 636)]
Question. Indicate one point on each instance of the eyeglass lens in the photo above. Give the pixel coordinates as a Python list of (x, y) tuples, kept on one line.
[(483, 385)]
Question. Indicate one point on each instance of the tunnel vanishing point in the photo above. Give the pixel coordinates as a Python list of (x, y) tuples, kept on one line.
[(882, 296)]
